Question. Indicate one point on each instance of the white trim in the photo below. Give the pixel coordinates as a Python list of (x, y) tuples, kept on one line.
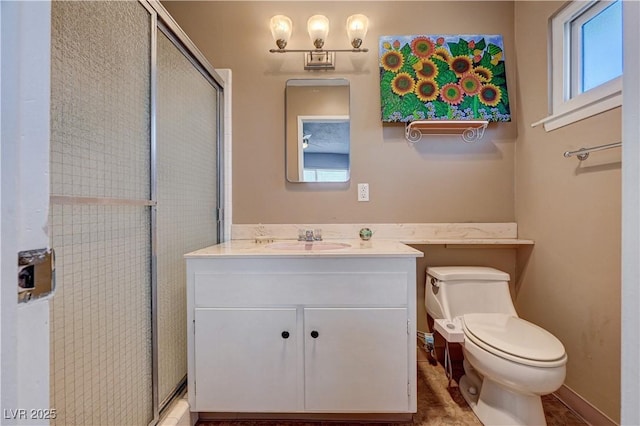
[(8, 270), (564, 107), (227, 204), (630, 293), (555, 121), (26, 50)]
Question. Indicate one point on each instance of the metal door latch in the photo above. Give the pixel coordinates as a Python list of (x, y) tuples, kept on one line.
[(36, 274)]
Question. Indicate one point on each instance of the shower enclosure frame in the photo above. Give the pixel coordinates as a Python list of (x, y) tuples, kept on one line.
[(162, 21)]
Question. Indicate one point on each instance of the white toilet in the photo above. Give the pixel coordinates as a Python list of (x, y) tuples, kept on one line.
[(508, 362)]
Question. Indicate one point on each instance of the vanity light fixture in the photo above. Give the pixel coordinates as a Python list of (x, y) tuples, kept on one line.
[(318, 28)]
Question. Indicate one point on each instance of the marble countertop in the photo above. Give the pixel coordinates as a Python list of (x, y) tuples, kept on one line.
[(452, 234), (357, 248)]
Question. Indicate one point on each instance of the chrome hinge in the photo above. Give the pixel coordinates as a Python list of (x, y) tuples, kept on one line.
[(219, 214), (194, 326), (408, 325), (408, 389)]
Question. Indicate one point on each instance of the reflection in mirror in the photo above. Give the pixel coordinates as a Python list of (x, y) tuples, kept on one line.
[(317, 130)]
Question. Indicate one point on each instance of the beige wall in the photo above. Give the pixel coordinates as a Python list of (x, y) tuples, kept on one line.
[(571, 282), (440, 179)]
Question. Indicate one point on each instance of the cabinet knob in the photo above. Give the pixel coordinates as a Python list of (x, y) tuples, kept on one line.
[(314, 334), (285, 334)]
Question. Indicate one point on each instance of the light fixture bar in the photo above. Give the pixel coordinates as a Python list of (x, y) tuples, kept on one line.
[(318, 28), (363, 50)]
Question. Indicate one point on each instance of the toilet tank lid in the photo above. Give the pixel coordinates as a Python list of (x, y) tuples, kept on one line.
[(453, 273)]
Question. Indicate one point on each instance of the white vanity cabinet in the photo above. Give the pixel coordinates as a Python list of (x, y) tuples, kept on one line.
[(358, 361), (245, 359), (302, 334)]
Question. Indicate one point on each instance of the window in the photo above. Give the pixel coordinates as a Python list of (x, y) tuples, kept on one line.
[(586, 61), (319, 175)]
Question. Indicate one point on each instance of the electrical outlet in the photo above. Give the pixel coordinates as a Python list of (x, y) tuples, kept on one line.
[(363, 192)]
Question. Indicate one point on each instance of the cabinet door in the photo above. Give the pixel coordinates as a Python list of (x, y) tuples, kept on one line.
[(356, 359), (245, 360)]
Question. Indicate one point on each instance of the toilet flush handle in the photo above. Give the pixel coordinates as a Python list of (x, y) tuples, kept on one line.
[(435, 283)]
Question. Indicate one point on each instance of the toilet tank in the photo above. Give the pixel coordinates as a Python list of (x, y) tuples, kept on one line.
[(451, 291)]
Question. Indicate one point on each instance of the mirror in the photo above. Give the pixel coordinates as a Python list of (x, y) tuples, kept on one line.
[(317, 130)]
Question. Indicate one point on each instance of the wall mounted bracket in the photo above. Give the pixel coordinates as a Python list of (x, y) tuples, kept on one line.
[(323, 60), (470, 130)]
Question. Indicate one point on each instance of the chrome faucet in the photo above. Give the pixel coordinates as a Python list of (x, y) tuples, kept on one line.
[(310, 235)]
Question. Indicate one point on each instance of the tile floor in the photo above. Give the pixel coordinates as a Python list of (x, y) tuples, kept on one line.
[(438, 405)]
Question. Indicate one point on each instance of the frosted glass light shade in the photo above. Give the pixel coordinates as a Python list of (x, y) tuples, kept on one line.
[(318, 27), (281, 27), (357, 26)]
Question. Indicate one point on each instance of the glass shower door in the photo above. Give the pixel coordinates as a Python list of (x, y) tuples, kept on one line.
[(186, 193), (100, 226), (135, 136)]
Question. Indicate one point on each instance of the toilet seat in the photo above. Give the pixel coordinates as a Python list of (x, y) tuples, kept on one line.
[(514, 339)]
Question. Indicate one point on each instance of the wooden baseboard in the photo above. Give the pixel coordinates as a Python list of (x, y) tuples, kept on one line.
[(590, 414)]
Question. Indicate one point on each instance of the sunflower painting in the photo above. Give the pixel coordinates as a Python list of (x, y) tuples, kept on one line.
[(443, 77)]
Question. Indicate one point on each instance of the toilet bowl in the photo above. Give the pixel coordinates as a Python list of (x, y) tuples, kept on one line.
[(509, 362)]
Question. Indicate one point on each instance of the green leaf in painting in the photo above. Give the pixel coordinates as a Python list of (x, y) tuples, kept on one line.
[(408, 65), (391, 104), (463, 47), (467, 102), (446, 76), (454, 49), (411, 59), (406, 51), (386, 79), (442, 109), (480, 45), (499, 68), (493, 49), (505, 96), (498, 81), (486, 61), (502, 108), (409, 103)]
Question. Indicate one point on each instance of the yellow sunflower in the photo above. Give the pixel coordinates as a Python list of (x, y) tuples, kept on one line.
[(484, 74), (422, 47), (460, 65), (428, 70), (470, 83), (402, 84), (427, 90), (392, 61), (451, 93), (490, 94), (443, 54)]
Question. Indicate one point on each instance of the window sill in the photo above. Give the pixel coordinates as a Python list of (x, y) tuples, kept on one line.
[(556, 121)]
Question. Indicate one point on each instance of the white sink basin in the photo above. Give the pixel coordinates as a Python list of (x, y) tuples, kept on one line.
[(310, 246)]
